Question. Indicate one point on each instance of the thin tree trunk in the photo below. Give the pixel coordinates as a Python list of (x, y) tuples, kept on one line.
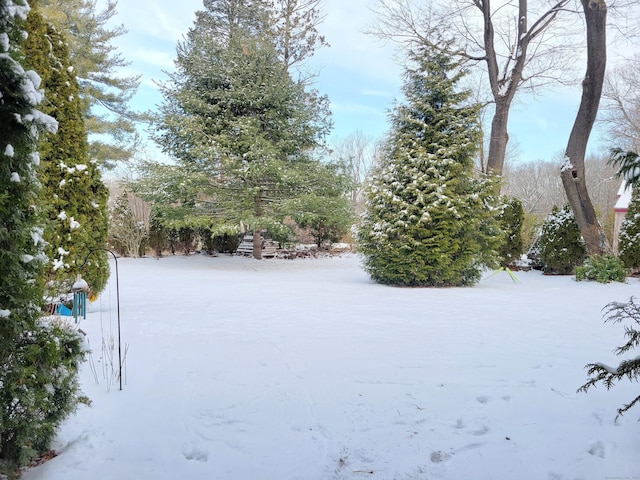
[(257, 230), (499, 137), (573, 169), (257, 244)]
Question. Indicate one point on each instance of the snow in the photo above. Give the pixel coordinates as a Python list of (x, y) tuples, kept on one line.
[(9, 151), (241, 369), (4, 42), (566, 164), (15, 177)]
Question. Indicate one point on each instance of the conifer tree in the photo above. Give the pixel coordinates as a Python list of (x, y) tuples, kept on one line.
[(629, 238), (104, 93), (233, 113), (561, 245), (511, 218), (38, 360), (428, 219), (73, 192)]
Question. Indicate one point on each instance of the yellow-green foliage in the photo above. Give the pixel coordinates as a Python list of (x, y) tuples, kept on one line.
[(73, 194)]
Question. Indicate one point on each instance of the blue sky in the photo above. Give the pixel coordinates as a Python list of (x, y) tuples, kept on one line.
[(357, 72)]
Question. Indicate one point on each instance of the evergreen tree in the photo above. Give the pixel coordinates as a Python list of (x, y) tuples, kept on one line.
[(561, 245), (428, 220), (105, 94), (73, 193), (629, 238), (234, 115), (511, 218), (38, 360)]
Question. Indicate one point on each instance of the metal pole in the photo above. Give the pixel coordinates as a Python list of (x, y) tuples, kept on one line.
[(115, 259)]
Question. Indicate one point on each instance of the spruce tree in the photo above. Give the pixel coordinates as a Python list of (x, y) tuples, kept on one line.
[(73, 192), (428, 219), (629, 238), (38, 360)]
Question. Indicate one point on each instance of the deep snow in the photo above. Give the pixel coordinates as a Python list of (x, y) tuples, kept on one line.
[(239, 369)]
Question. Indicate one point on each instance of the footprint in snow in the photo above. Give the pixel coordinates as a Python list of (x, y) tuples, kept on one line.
[(597, 450), (193, 452), (439, 457), (484, 399)]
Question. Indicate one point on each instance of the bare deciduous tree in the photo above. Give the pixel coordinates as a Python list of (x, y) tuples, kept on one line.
[(358, 152), (621, 110), (538, 186), (573, 169), (511, 42)]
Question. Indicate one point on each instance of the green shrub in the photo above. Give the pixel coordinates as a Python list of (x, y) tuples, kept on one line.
[(511, 219), (561, 245), (39, 392), (602, 268)]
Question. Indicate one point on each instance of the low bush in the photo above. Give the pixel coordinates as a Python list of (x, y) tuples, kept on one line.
[(602, 268)]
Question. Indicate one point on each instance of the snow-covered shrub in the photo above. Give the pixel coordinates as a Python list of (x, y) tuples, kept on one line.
[(602, 268), (629, 238), (37, 397), (429, 219), (38, 362), (619, 312), (511, 219), (561, 245)]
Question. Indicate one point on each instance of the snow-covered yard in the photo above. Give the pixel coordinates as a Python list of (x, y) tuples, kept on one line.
[(240, 369)]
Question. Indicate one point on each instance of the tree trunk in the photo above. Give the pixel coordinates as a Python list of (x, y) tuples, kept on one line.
[(498, 137), (503, 85), (257, 244), (257, 230), (573, 171)]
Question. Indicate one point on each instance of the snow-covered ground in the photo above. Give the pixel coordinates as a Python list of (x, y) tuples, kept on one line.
[(238, 369)]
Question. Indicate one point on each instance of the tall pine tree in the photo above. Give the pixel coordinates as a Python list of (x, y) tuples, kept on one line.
[(428, 220), (73, 194), (105, 94), (233, 113)]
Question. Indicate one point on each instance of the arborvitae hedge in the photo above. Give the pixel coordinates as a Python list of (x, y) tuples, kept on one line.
[(73, 195), (38, 359)]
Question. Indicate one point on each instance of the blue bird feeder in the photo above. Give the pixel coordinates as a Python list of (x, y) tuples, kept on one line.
[(79, 290)]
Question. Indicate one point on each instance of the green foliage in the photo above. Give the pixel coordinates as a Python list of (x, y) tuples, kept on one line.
[(244, 133), (327, 219), (628, 165), (619, 312), (629, 237), (73, 195), (602, 268), (511, 219), (38, 361), (561, 245), (36, 397), (428, 219), (104, 92)]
